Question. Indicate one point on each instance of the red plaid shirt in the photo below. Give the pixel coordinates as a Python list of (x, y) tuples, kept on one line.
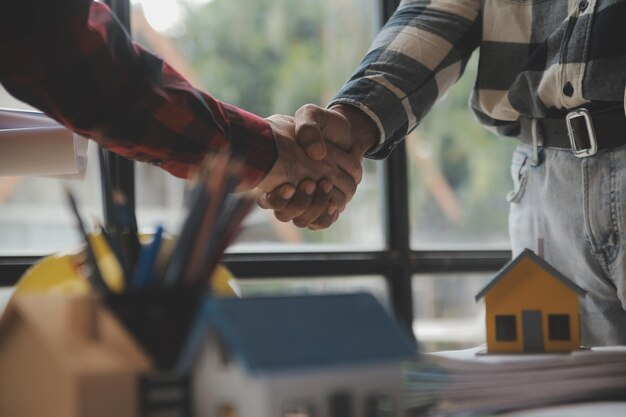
[(73, 60)]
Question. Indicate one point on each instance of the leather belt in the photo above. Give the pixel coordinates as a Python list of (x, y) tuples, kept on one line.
[(580, 131)]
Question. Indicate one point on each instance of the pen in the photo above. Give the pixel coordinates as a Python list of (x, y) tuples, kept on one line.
[(147, 257), (94, 275)]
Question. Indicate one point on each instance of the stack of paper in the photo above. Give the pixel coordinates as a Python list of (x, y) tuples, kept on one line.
[(33, 144), (475, 385)]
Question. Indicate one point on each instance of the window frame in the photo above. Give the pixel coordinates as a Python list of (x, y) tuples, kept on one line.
[(397, 263)]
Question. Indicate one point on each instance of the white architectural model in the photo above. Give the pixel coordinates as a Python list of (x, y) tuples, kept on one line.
[(307, 356)]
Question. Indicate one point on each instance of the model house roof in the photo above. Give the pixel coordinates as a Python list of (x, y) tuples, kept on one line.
[(528, 254), (281, 333)]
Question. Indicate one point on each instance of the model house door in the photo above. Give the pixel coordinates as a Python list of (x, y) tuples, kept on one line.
[(532, 331)]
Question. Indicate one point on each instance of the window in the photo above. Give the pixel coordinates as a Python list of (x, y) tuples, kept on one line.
[(421, 222), (34, 215), (506, 329), (458, 177), (256, 54), (558, 327), (446, 314)]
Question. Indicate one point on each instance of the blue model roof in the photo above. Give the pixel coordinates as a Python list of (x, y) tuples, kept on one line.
[(282, 333)]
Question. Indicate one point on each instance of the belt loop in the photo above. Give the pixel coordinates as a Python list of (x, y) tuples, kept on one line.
[(533, 131)]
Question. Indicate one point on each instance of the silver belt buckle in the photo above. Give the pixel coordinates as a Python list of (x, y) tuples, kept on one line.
[(571, 118)]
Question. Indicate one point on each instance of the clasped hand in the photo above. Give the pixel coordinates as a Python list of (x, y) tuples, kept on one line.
[(318, 167)]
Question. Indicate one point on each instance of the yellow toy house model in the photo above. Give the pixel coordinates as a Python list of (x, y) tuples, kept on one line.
[(531, 307)]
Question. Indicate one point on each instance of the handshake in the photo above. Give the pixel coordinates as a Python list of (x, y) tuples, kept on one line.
[(318, 167)]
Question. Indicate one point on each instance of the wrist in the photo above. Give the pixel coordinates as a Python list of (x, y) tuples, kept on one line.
[(365, 133)]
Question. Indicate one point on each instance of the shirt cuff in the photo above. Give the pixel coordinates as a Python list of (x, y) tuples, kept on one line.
[(382, 106), (252, 140), (369, 113)]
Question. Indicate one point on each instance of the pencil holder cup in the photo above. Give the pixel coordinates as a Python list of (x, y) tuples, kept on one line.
[(159, 320)]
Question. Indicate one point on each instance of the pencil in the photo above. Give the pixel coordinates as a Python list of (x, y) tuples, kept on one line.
[(94, 275), (145, 265)]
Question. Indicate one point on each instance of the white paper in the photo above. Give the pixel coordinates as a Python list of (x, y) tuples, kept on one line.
[(596, 409), (33, 144), (468, 383)]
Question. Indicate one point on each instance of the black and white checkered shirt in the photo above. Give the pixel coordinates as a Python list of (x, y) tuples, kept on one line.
[(538, 58)]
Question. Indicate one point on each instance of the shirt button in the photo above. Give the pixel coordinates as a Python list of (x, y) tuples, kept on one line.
[(568, 89), (583, 5), (156, 162)]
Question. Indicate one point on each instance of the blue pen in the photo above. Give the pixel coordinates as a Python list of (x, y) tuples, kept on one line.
[(143, 272)]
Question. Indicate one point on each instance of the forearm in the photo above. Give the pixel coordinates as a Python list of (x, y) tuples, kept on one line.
[(73, 60), (413, 61)]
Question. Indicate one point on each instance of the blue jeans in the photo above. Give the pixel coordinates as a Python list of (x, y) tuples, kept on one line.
[(578, 206)]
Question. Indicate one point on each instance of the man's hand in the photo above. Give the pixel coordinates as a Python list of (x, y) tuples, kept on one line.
[(317, 130), (341, 173), (309, 205), (342, 125)]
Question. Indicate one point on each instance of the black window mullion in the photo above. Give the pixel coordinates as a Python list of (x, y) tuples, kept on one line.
[(397, 233), (443, 261), (289, 265), (121, 171), (397, 230), (121, 8), (13, 267), (292, 265), (388, 7)]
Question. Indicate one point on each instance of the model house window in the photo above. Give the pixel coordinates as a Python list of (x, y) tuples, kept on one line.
[(379, 405), (340, 404), (506, 328), (298, 410), (558, 327), (223, 351)]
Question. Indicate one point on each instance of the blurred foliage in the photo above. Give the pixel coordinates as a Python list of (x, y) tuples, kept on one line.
[(272, 56), (475, 164)]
